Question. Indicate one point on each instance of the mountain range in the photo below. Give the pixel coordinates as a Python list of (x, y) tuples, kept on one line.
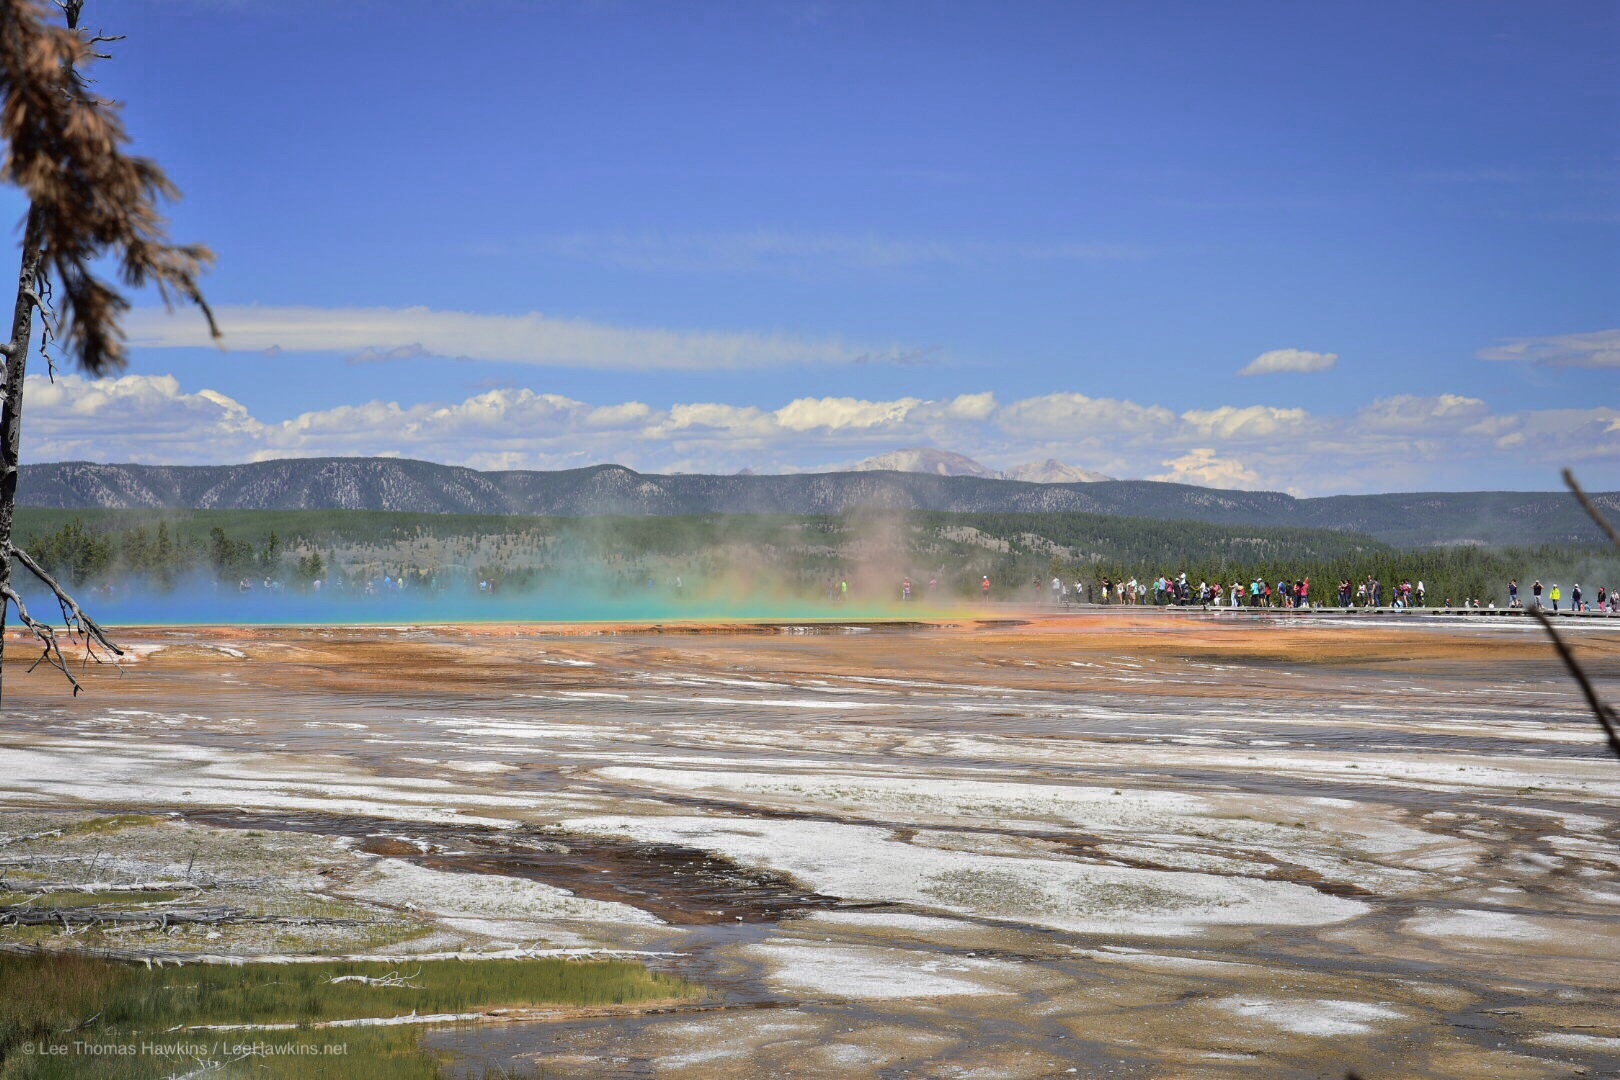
[(1490, 517)]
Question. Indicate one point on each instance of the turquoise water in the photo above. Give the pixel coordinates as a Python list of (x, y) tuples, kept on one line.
[(205, 604)]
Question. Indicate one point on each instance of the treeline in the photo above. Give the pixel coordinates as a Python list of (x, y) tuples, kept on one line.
[(1090, 548), (875, 550), (81, 555), (1454, 574)]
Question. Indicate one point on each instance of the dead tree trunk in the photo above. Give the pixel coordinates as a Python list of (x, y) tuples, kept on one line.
[(16, 352), (32, 293)]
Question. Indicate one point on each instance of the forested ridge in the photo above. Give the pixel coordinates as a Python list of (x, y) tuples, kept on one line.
[(399, 485)]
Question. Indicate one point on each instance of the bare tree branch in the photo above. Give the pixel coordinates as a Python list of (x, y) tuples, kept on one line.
[(1605, 715), (74, 614), (1591, 508), (46, 634)]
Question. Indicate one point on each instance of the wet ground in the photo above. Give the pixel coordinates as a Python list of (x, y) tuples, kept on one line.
[(1095, 845)]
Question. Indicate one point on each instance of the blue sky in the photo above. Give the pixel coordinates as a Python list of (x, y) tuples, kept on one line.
[(787, 236)]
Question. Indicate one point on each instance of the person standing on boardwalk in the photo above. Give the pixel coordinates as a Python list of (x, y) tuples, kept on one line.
[(1555, 595), (1535, 593), (1513, 593)]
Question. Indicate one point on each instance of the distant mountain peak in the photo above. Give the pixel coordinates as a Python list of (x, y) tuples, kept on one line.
[(1053, 471), (935, 462), (924, 459)]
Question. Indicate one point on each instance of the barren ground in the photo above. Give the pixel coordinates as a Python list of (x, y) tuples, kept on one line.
[(1091, 845)]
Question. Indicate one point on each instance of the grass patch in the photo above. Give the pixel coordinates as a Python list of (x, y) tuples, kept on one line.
[(65, 1015), (110, 823), (88, 899)]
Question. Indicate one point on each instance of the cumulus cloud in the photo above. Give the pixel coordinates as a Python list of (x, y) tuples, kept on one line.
[(1297, 360), (835, 413), (972, 406), (1076, 414), (1251, 422), (1402, 441), (1599, 349), (1203, 467), (1410, 412), (78, 418), (380, 335)]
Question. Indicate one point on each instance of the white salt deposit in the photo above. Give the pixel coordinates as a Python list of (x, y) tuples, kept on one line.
[(858, 972), (484, 896), (947, 799), (1319, 1018), (1568, 1040), (1479, 925), (868, 863), (145, 773)]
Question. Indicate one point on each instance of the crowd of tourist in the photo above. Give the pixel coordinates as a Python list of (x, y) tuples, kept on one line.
[(1177, 591), (1607, 599)]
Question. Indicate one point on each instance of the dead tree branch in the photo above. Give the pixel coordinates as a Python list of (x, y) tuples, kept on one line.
[(66, 149), (393, 980), (148, 919), (78, 622), (1606, 716), (1600, 709), (1591, 508), (79, 626), (52, 654)]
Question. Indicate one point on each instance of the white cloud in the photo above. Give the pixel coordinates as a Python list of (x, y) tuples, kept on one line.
[(1253, 421), (728, 418), (1599, 349), (1202, 466), (835, 413), (1412, 413), (972, 406), (1076, 415), (623, 415), (1296, 360), (1397, 442), (382, 334), (133, 418)]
